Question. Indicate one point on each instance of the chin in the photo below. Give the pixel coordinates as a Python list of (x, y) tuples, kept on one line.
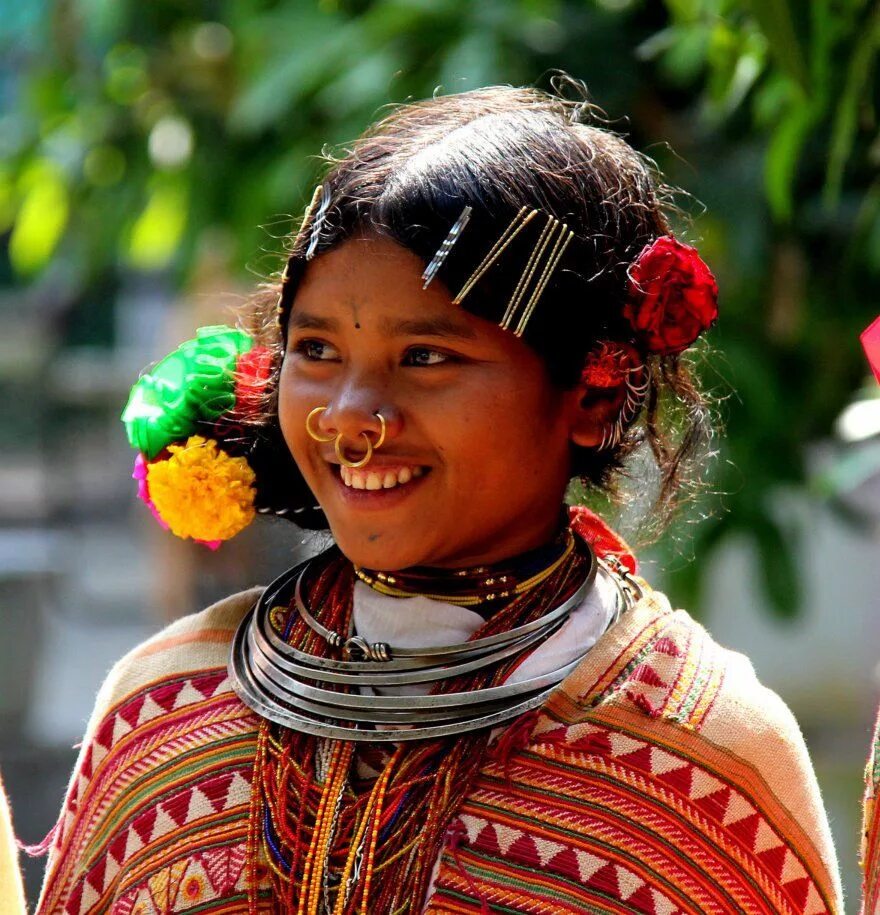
[(380, 551)]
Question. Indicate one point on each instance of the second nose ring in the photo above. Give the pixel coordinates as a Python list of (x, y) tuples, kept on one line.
[(337, 440)]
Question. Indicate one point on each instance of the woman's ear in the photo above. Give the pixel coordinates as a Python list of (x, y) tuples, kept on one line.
[(594, 410), (600, 394)]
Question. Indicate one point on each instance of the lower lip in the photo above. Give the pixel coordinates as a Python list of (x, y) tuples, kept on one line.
[(378, 498)]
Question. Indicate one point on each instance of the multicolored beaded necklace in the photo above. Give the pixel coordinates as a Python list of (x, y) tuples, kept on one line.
[(356, 828)]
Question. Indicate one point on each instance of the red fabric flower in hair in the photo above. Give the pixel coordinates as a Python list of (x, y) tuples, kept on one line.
[(608, 365), (252, 373), (673, 296)]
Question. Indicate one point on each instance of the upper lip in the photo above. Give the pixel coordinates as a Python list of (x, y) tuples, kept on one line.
[(386, 461)]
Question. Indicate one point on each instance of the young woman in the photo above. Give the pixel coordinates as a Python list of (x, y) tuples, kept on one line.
[(471, 702)]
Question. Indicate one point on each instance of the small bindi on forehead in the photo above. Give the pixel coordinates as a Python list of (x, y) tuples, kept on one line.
[(354, 307)]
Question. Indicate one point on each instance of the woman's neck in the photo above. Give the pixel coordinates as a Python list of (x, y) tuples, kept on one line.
[(483, 588)]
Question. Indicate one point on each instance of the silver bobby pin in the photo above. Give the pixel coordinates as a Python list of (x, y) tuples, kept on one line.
[(446, 247), (315, 228)]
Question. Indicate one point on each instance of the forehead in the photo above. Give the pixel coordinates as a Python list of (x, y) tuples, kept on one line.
[(373, 276)]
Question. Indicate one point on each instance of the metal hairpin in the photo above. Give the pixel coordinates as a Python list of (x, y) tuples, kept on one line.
[(517, 224), (554, 238), (444, 249), (318, 224)]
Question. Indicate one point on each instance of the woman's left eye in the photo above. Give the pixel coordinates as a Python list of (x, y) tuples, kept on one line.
[(421, 355)]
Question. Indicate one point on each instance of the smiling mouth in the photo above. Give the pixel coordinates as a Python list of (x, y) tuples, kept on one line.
[(379, 477)]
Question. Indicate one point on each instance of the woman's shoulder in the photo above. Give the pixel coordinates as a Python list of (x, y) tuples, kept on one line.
[(662, 697), (666, 665), (190, 646)]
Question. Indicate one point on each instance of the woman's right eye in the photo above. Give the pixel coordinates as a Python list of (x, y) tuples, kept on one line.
[(316, 350)]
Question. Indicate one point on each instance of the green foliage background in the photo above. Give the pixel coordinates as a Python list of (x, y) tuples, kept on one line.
[(134, 132)]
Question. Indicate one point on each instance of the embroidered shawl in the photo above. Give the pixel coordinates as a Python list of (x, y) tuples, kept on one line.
[(870, 851), (661, 778)]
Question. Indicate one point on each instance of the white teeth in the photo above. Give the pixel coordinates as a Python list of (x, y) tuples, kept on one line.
[(378, 479)]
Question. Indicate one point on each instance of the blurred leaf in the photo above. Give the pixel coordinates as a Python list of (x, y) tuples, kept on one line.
[(777, 23), (42, 216), (856, 468), (858, 76), (775, 556), (783, 155), (323, 42), (157, 232), (7, 200)]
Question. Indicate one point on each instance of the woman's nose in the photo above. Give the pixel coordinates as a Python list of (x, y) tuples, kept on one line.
[(357, 411)]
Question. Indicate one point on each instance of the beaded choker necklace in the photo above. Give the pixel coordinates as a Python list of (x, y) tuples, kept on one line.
[(478, 586)]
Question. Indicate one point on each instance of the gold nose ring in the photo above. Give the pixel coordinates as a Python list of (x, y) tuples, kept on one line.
[(317, 435), (347, 461)]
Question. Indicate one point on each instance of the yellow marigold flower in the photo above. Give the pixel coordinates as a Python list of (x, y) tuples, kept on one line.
[(201, 491)]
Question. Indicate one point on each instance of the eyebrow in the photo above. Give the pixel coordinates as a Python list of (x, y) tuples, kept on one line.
[(306, 321), (440, 326)]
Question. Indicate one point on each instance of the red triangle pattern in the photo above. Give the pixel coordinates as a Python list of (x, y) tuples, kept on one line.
[(116, 850), (216, 790), (143, 825), (715, 804), (644, 703), (131, 711), (74, 900), (680, 779), (666, 645), (96, 875), (598, 743), (773, 859), (746, 829), (177, 807), (638, 759), (104, 734), (565, 863), (642, 900), (646, 674), (164, 696), (525, 851), (605, 881), (798, 890), (86, 767), (207, 685), (487, 840)]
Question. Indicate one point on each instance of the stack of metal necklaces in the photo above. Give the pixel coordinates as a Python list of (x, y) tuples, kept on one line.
[(340, 698)]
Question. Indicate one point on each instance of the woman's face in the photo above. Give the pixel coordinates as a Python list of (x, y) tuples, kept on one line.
[(475, 459)]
